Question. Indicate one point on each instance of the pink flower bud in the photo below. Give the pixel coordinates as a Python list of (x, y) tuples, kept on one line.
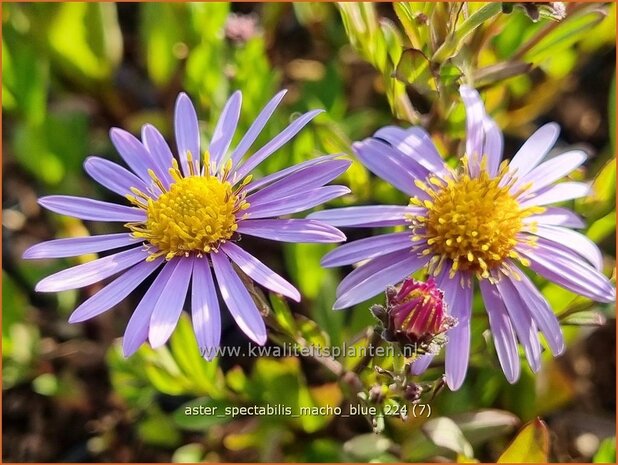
[(418, 310)]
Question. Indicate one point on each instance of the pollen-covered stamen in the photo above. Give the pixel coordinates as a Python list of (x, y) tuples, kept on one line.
[(195, 215), (474, 222)]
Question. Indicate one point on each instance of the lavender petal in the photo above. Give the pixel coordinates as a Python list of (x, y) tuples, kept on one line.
[(557, 193), (404, 264), (392, 166), (294, 230), (420, 365), (371, 216), (74, 246), (88, 209), (225, 129), (415, 143), (493, 145), (502, 331), (534, 150), (275, 143), (136, 331), (521, 319), (556, 216), (475, 120), (458, 300), (132, 152), (303, 180), (259, 272), (295, 203), (541, 312), (115, 291), (160, 152), (551, 171), (205, 310), (256, 128), (167, 310), (568, 270), (567, 239), (363, 249), (112, 176), (91, 272), (238, 300), (187, 132), (259, 183)]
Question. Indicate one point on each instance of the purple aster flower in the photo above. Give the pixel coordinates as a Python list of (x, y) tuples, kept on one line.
[(186, 219), (481, 223)]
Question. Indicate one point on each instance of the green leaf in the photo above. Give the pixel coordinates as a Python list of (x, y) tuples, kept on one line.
[(303, 264), (411, 25), (366, 447), (311, 332), (585, 318), (202, 413), (163, 30), (45, 384), (444, 432), (480, 426), (189, 453), (603, 193), (602, 228), (531, 445), (25, 77), (562, 36), (128, 377), (414, 68), (449, 73), (322, 310), (283, 314), (493, 74), (158, 430), (13, 304), (455, 41), (606, 452), (184, 350), (86, 41)]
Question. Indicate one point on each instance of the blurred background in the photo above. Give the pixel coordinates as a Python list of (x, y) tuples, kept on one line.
[(71, 71)]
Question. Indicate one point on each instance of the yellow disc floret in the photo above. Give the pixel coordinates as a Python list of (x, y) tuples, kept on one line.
[(195, 215), (474, 222)]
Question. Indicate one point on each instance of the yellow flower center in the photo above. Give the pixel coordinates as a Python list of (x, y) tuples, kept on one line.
[(195, 215), (471, 221)]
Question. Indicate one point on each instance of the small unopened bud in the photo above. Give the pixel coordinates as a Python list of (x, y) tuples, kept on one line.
[(412, 392), (240, 28), (379, 312)]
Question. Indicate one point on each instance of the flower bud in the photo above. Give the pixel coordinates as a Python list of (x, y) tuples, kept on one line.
[(379, 312), (241, 28), (418, 311), (412, 392)]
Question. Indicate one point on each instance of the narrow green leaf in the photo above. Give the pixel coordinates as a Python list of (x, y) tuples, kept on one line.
[(585, 318), (562, 36)]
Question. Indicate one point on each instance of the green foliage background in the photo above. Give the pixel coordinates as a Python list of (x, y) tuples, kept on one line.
[(73, 70)]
